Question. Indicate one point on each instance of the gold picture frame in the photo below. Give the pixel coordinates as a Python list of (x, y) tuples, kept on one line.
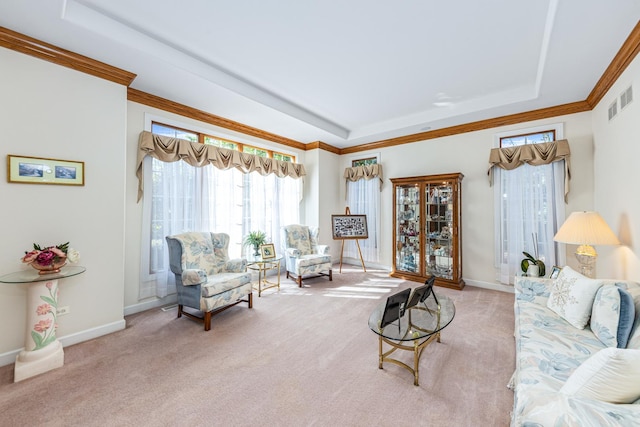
[(40, 170), (268, 251)]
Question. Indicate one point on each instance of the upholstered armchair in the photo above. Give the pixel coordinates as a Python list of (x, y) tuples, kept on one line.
[(303, 255), (206, 279)]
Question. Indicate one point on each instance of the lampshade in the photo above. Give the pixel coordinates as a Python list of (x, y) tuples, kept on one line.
[(586, 228)]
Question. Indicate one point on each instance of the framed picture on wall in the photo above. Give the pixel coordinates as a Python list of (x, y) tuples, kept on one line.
[(40, 170)]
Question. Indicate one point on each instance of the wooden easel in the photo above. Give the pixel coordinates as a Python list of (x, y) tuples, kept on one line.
[(348, 212)]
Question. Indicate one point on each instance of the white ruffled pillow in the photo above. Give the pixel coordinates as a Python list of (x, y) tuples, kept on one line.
[(572, 296), (611, 375)]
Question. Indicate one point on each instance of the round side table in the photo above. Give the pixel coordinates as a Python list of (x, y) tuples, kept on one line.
[(42, 350)]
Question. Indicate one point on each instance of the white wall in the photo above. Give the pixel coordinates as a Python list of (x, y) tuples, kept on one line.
[(617, 172), (469, 153), (55, 112)]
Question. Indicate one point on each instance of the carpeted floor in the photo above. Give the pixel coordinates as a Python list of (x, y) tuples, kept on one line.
[(300, 357)]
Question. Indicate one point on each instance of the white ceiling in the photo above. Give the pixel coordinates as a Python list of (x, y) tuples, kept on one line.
[(344, 72)]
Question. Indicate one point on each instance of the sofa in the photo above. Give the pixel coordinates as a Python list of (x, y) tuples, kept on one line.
[(577, 352)]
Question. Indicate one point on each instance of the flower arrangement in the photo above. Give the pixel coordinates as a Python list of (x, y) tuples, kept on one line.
[(50, 259)]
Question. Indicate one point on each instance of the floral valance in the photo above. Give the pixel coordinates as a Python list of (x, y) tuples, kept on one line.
[(356, 173), (533, 154), (169, 149)]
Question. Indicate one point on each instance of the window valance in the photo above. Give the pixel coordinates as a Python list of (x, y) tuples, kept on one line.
[(169, 149), (533, 154), (356, 173)]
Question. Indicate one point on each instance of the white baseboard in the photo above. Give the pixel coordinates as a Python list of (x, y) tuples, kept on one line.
[(10, 357), (487, 285), (148, 305)]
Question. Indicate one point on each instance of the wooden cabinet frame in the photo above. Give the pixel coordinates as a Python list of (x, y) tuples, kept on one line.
[(427, 237)]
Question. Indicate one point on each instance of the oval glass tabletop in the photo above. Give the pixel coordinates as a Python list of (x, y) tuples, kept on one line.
[(29, 276), (418, 322)]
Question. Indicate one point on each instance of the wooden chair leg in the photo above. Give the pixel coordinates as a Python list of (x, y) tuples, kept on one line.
[(330, 275), (207, 321), (179, 310), (251, 300), (300, 281), (287, 274)]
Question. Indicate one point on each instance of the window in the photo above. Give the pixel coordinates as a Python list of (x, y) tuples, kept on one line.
[(363, 197), (529, 205), (364, 162), (185, 198)]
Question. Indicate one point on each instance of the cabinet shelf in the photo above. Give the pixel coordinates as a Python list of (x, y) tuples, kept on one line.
[(426, 234)]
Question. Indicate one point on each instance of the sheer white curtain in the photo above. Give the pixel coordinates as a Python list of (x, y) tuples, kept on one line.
[(363, 198), (186, 198), (269, 204), (529, 201), (177, 203)]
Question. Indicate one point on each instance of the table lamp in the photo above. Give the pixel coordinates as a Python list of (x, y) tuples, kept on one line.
[(586, 229)]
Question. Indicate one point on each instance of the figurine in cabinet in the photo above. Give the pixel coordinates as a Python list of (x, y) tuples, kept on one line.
[(445, 233)]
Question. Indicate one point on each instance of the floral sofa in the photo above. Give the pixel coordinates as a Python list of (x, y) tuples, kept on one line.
[(577, 352)]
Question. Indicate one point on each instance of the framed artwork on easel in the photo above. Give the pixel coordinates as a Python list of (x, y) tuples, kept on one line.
[(349, 227)]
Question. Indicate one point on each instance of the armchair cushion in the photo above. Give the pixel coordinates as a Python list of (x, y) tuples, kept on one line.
[(312, 259)]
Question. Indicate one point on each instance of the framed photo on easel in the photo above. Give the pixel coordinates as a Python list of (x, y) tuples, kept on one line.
[(349, 227)]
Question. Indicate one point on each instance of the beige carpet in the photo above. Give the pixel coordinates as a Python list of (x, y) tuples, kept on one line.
[(300, 357)]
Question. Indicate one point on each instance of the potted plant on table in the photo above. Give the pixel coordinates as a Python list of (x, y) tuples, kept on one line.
[(255, 239)]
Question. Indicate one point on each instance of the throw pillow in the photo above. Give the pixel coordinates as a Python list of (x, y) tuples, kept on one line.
[(634, 338), (627, 318), (611, 375), (572, 295), (612, 316), (605, 315)]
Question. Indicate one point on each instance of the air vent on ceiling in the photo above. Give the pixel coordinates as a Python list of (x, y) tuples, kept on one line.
[(626, 97), (613, 109)]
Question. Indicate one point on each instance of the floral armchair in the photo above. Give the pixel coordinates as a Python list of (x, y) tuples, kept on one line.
[(206, 279), (303, 255)]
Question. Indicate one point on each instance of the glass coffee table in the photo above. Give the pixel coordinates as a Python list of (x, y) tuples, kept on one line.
[(414, 331)]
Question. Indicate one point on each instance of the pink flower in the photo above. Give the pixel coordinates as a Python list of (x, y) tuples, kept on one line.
[(45, 257), (30, 256), (49, 285), (43, 309), (42, 325), (57, 251)]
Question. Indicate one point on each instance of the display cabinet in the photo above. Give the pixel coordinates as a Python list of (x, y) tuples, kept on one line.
[(426, 232)]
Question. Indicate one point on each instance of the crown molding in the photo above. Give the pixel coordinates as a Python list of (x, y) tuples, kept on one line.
[(543, 113), (323, 146), (621, 61), (140, 97), (39, 49)]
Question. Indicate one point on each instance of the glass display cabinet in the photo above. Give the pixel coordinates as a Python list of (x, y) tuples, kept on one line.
[(426, 233)]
